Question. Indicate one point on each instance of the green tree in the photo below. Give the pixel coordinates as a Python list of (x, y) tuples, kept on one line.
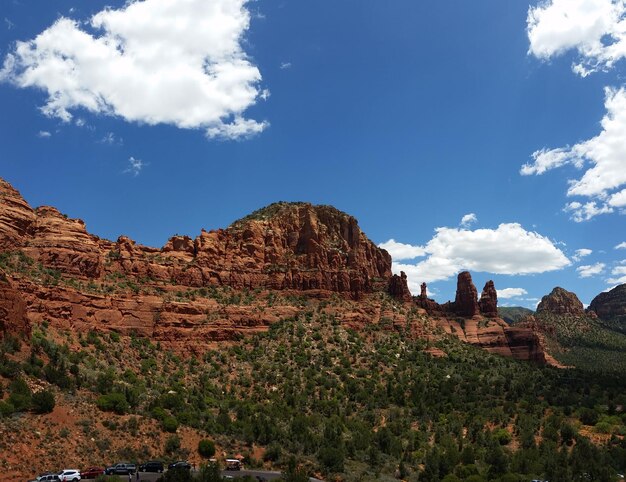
[(206, 448), (43, 401)]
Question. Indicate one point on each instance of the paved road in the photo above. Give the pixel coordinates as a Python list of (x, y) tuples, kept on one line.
[(260, 475)]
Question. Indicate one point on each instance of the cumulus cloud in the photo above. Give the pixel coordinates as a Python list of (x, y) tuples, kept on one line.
[(507, 293), (581, 253), (619, 276), (509, 249), (44, 134), (603, 157), (468, 220), (152, 61), (621, 245), (135, 166), (285, 65), (596, 29), (401, 251), (587, 271)]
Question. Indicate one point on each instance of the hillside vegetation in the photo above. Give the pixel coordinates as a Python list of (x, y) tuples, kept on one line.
[(354, 405)]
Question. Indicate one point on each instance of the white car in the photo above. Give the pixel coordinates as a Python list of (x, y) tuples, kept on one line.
[(69, 475)]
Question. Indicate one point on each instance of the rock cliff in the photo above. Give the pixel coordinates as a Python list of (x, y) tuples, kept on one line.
[(219, 285), (611, 305)]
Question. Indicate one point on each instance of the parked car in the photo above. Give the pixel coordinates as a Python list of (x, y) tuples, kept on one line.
[(180, 465), (152, 466), (91, 472), (69, 475), (123, 468)]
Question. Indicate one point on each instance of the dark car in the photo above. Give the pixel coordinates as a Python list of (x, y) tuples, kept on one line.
[(121, 469), (91, 472), (180, 465), (152, 466)]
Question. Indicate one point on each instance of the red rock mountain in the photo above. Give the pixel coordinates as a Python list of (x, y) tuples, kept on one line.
[(190, 291), (561, 302), (611, 305)]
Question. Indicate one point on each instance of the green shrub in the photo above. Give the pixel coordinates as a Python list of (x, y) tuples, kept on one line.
[(502, 436), (6, 409), (172, 444), (20, 395), (206, 448), (170, 424), (43, 402), (113, 402)]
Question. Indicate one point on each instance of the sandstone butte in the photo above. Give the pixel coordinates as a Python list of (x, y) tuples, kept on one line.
[(55, 271)]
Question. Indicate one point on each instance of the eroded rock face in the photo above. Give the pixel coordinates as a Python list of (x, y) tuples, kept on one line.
[(16, 216), (13, 320), (466, 301), (610, 305), (561, 302), (179, 294), (398, 287), (488, 302), (62, 243)]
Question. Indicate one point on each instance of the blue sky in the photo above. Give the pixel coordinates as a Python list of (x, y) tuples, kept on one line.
[(408, 115)]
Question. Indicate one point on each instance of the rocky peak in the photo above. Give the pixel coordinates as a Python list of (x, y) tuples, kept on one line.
[(610, 304), (560, 302), (466, 300), (488, 303), (398, 287)]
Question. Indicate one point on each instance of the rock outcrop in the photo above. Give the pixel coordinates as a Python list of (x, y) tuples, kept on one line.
[(466, 300), (488, 302), (611, 305), (398, 287), (560, 302), (13, 320), (16, 216)]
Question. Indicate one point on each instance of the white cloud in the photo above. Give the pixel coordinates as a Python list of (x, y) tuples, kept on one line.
[(110, 138), (621, 245), (135, 166), (509, 249), (8, 23), (604, 156), (285, 65), (581, 253), (619, 276), (152, 61), (587, 271), (401, 251), (596, 29), (468, 219), (507, 293), (44, 134)]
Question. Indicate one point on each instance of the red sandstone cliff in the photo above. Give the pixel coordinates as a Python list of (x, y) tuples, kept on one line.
[(183, 292)]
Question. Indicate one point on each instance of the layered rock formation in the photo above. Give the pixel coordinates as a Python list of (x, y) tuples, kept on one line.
[(611, 305), (488, 303), (283, 246), (217, 286), (561, 302), (466, 300), (13, 320), (398, 287)]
